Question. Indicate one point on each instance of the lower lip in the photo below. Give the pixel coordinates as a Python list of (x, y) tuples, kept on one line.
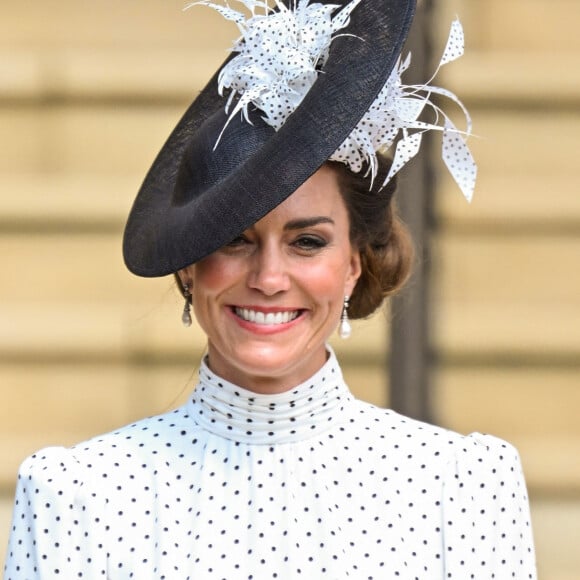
[(265, 329)]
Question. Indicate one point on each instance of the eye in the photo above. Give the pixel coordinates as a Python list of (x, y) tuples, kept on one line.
[(309, 242), (237, 241)]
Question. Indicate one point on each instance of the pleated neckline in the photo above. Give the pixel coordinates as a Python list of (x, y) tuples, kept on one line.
[(305, 411)]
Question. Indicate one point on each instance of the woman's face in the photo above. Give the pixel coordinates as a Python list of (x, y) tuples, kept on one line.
[(269, 300)]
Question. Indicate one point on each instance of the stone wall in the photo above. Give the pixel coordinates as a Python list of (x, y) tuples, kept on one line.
[(89, 91)]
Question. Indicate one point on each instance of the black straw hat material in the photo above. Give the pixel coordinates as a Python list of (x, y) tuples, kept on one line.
[(195, 198)]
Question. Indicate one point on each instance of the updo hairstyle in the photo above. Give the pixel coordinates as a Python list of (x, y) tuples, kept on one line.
[(384, 242)]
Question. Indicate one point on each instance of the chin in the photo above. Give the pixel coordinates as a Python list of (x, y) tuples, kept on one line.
[(269, 360), (281, 366)]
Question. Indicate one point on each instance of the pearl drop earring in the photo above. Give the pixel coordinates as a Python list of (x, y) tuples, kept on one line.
[(344, 328)]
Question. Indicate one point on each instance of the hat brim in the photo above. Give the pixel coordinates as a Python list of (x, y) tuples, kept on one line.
[(162, 237)]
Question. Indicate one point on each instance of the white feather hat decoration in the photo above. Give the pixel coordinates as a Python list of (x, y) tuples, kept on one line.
[(278, 59)]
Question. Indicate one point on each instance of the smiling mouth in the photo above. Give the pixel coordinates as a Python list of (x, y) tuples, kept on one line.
[(266, 318)]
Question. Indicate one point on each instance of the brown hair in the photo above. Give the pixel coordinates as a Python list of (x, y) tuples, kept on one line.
[(376, 230)]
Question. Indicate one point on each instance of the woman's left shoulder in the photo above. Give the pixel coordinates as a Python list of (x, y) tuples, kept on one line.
[(417, 437), (484, 496), (479, 448), (474, 482)]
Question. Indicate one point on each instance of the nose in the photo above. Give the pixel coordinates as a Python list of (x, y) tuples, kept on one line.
[(268, 272)]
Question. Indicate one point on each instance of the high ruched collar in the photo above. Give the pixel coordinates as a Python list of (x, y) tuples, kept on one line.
[(235, 413)]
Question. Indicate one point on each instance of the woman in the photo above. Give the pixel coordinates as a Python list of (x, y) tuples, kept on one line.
[(272, 469)]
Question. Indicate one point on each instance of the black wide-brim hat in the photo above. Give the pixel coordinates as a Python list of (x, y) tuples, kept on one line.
[(196, 199)]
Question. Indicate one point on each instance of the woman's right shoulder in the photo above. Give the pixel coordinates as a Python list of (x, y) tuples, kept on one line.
[(75, 464), (50, 467)]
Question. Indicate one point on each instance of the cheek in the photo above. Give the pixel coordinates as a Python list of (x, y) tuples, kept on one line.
[(326, 280), (213, 274)]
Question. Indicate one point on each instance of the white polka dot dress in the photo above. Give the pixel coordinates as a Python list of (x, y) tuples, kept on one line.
[(306, 484)]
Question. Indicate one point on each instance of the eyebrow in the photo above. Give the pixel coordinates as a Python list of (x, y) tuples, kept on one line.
[(301, 223)]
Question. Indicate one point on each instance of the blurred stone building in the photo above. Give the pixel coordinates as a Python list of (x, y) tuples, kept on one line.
[(88, 93)]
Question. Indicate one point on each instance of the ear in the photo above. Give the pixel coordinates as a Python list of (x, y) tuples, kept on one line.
[(354, 272)]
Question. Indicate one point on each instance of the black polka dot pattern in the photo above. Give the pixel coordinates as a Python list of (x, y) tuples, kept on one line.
[(279, 57), (307, 484), (279, 54)]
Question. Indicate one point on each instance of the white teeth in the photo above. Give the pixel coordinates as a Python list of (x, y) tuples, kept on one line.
[(268, 319)]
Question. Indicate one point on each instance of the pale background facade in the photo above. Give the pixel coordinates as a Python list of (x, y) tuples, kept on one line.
[(89, 91)]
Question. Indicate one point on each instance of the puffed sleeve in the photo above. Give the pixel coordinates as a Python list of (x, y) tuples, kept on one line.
[(56, 521), (487, 529)]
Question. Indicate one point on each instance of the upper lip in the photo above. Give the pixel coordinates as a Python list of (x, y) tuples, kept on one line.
[(266, 309)]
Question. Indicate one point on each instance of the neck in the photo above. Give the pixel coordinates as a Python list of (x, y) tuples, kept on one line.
[(264, 379)]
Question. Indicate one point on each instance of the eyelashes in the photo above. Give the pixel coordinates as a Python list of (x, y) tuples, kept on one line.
[(306, 243), (310, 243)]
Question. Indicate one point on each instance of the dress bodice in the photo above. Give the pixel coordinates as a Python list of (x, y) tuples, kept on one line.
[(310, 483)]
